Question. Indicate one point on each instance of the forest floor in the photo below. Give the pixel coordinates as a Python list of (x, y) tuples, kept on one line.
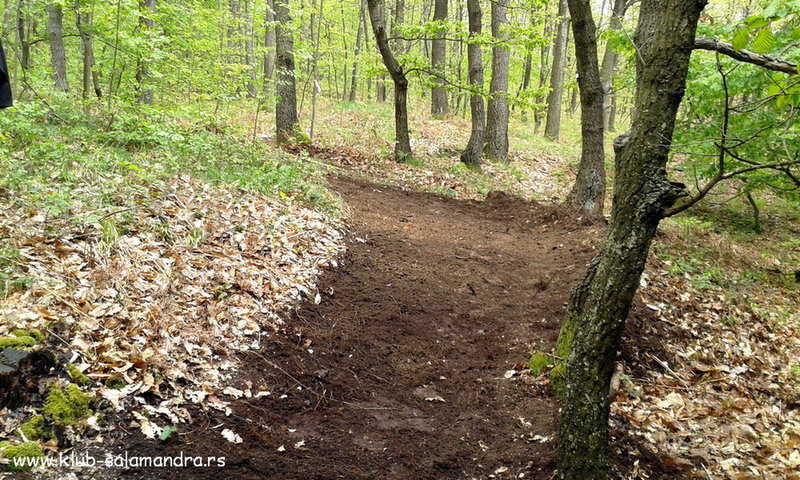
[(406, 359), (409, 366)]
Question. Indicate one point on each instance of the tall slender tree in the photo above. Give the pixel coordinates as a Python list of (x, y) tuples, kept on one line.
[(439, 104), (147, 24), (91, 75), (249, 49), (402, 142), (472, 153), (58, 56), (286, 121), (588, 192), (552, 128), (359, 40), (609, 64), (497, 115)]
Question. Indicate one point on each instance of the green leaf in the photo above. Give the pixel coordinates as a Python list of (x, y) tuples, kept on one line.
[(168, 431), (741, 39), (764, 41), (773, 90), (756, 22), (771, 9)]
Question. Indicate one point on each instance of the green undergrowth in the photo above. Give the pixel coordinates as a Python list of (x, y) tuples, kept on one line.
[(54, 159)]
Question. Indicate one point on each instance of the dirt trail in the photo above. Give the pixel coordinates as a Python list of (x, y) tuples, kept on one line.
[(399, 372)]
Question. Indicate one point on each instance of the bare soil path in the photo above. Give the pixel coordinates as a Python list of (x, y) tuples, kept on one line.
[(399, 372)]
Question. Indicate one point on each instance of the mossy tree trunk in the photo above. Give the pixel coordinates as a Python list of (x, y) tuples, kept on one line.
[(600, 305)]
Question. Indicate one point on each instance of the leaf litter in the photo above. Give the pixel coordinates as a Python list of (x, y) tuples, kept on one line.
[(720, 394), (161, 293)]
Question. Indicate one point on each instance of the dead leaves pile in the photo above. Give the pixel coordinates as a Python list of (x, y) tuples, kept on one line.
[(160, 292), (721, 396)]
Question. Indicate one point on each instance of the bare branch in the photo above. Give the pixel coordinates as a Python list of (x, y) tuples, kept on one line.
[(714, 45)]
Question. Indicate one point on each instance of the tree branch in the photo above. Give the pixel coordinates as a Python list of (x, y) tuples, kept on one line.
[(714, 45)]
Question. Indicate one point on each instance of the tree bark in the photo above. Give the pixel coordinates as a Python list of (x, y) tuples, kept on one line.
[(497, 115), (472, 153), (269, 41), (402, 143), (249, 50), (23, 36), (359, 39), (599, 306), (143, 75), (588, 192), (91, 77), (286, 121), (58, 56), (439, 105), (544, 57), (552, 128), (610, 58), (526, 80), (399, 19)]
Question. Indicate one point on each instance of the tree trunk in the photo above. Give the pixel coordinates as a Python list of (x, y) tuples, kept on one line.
[(380, 88), (573, 103), (286, 122), (552, 128), (91, 77), (599, 306), (269, 41), (58, 56), (143, 76), (439, 105), (269, 51), (315, 88), (610, 59), (359, 39), (249, 50), (544, 57), (402, 143), (472, 153), (526, 81), (497, 115), (23, 36), (399, 19), (588, 192), (612, 112)]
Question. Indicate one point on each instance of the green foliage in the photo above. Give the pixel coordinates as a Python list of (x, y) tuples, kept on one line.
[(18, 452), (66, 406), (58, 161)]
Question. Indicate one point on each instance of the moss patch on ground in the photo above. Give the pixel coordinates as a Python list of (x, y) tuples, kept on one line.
[(76, 375), (19, 452), (33, 429), (67, 406)]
